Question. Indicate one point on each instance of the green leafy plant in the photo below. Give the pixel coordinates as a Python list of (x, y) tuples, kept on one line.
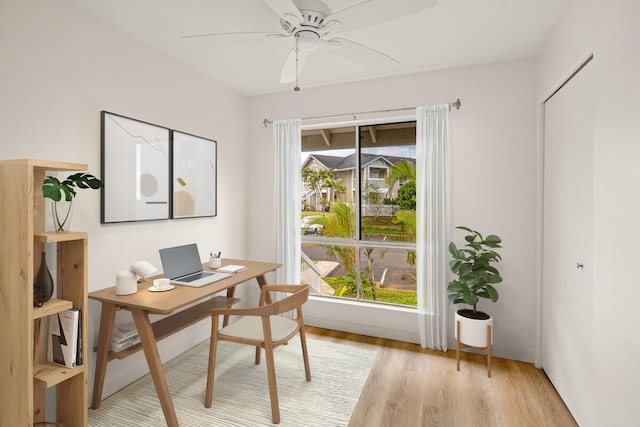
[(473, 266), (54, 189)]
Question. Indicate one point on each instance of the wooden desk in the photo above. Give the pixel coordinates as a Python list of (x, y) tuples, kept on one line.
[(143, 303)]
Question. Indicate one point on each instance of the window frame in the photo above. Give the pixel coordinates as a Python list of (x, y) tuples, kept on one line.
[(358, 243)]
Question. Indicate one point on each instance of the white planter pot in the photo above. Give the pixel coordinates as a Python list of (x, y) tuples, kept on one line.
[(473, 332)]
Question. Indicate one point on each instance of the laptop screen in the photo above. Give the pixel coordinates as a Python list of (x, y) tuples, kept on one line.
[(179, 261)]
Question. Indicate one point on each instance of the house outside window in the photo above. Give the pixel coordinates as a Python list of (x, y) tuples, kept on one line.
[(358, 230)]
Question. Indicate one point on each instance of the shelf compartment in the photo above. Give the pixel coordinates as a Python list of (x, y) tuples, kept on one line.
[(49, 374), (52, 306)]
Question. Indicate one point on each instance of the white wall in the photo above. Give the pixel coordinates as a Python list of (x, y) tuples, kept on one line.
[(494, 181), (609, 30), (59, 67)]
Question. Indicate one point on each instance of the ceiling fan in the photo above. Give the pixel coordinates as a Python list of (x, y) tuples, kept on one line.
[(312, 23)]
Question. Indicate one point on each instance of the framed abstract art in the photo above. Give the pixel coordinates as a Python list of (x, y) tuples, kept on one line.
[(136, 158), (194, 172)]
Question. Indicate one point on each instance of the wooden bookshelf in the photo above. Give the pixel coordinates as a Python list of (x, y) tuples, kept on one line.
[(53, 306), (24, 372)]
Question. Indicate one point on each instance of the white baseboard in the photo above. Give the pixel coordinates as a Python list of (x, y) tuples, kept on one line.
[(362, 329), (383, 321)]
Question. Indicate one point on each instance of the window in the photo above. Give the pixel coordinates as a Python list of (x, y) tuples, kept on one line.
[(358, 212)]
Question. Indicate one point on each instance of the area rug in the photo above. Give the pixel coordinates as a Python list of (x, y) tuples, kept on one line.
[(241, 390)]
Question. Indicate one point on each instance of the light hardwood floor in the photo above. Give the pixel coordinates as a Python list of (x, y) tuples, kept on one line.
[(411, 386)]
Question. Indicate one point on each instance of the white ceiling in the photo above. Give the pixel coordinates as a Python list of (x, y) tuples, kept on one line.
[(453, 33)]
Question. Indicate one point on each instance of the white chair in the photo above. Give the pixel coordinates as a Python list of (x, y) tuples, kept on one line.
[(263, 328)]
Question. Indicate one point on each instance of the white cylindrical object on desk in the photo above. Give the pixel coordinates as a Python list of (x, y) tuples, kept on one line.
[(126, 283)]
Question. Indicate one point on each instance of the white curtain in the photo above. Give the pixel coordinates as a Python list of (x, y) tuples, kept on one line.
[(287, 136), (432, 140)]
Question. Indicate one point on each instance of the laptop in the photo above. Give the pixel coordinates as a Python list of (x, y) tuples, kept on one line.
[(182, 265)]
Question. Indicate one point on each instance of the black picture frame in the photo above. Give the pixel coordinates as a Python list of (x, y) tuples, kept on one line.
[(135, 163), (194, 176)]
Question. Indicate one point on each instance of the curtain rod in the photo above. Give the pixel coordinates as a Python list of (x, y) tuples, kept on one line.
[(455, 104)]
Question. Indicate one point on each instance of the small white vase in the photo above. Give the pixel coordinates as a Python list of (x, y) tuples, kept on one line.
[(473, 332)]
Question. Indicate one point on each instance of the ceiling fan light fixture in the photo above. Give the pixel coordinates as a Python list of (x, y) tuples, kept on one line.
[(307, 40)]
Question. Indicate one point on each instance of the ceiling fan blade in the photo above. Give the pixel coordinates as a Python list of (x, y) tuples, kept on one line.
[(284, 7), (360, 53), (240, 36), (288, 73), (373, 12)]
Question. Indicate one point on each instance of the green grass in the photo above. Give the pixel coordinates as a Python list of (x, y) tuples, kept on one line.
[(382, 225), (381, 220), (378, 230), (345, 287), (312, 213)]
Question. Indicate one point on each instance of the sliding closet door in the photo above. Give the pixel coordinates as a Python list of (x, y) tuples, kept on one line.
[(567, 312)]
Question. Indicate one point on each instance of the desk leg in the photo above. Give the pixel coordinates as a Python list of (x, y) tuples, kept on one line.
[(261, 282), (150, 348), (107, 317), (230, 293)]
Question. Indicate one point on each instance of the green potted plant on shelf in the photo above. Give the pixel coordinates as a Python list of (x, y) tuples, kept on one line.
[(476, 276), (65, 191)]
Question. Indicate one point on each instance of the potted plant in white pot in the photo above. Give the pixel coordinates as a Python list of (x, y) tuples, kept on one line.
[(59, 191), (476, 274)]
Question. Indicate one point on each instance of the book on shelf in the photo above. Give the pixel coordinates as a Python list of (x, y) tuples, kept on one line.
[(231, 268), (124, 336), (79, 341), (123, 345), (124, 331), (63, 334)]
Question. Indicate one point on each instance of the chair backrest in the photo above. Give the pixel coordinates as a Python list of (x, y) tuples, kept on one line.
[(299, 295)]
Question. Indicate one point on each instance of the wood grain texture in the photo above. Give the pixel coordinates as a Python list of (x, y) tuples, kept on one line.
[(411, 386), (16, 295), (22, 328), (142, 303), (181, 296)]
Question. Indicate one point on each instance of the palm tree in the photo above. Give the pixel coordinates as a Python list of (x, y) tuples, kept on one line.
[(369, 253), (316, 180), (407, 219), (336, 185), (404, 170), (341, 223)]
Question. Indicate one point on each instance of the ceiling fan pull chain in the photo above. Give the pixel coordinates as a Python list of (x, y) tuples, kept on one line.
[(296, 88)]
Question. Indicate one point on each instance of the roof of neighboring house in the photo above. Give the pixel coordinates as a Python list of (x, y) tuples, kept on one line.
[(349, 162)]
